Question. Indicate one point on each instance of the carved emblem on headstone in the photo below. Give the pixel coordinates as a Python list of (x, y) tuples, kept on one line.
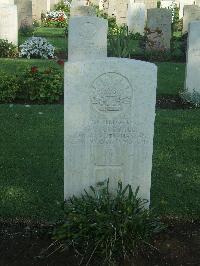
[(111, 92)]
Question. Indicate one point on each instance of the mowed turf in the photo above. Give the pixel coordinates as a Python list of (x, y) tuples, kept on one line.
[(31, 162)]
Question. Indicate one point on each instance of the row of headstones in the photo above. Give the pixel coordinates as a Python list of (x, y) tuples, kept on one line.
[(15, 13), (110, 109), (157, 18)]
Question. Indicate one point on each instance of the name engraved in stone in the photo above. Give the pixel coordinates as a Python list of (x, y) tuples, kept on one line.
[(106, 131), (111, 92)]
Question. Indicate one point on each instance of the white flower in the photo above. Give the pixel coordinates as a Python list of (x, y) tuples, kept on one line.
[(37, 47)]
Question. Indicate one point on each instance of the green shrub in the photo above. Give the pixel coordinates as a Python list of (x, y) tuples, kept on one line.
[(32, 85), (120, 42), (7, 49), (107, 226), (8, 88), (61, 6), (26, 30), (41, 86)]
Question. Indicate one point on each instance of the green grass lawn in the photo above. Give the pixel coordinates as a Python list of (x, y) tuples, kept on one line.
[(170, 75), (31, 162)]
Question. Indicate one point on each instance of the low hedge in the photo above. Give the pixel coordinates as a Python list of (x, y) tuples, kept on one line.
[(32, 85)]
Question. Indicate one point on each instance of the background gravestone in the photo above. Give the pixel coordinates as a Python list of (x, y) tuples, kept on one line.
[(136, 17), (167, 4), (87, 38), (24, 8), (182, 3), (191, 13), (39, 7), (192, 83), (82, 11), (148, 3), (118, 9), (53, 3), (8, 22), (159, 29)]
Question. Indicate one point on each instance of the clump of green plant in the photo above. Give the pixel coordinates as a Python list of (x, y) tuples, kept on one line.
[(26, 30), (106, 225), (61, 6), (191, 97), (120, 42), (41, 86), (8, 88), (8, 49), (179, 47)]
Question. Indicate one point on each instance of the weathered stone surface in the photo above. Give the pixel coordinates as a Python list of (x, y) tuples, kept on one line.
[(109, 123), (94, 2), (8, 22), (192, 83), (39, 7), (104, 5), (83, 11), (191, 13), (53, 3), (167, 4), (24, 8), (136, 17), (148, 3), (7, 2), (118, 9), (183, 3), (159, 28), (76, 3), (87, 38)]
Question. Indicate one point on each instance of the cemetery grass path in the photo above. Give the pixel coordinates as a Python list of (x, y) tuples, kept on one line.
[(31, 162)]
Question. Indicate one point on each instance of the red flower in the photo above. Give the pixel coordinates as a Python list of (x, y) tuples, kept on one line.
[(60, 62), (34, 69)]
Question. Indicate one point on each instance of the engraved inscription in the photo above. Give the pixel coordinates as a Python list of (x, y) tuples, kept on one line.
[(111, 92), (87, 30)]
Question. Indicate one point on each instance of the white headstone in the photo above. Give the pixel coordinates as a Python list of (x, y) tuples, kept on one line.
[(53, 3), (136, 17), (7, 2), (8, 22), (87, 38), (183, 3), (192, 83), (118, 9), (76, 3), (148, 3), (39, 7), (191, 13), (167, 4), (159, 28), (83, 11), (109, 123)]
